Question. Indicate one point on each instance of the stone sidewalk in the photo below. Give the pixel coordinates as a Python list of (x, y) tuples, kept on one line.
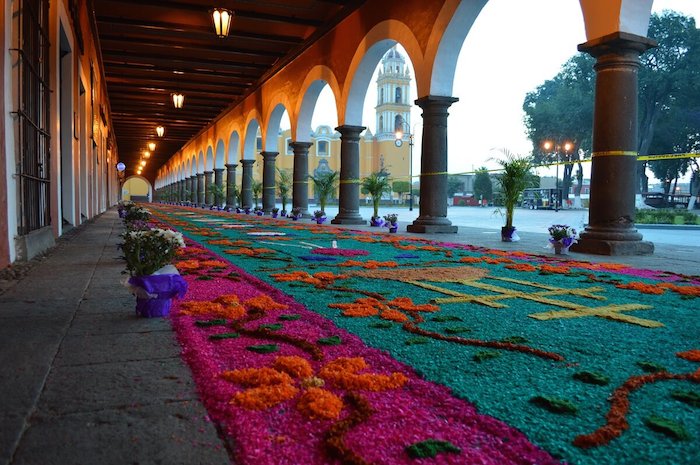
[(84, 381)]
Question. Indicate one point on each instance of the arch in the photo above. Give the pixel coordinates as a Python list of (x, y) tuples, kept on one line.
[(398, 123), (220, 154), (188, 167), (251, 135), (273, 127), (140, 178), (603, 18), (370, 51), (398, 97), (209, 160), (193, 165), (233, 149), (446, 45), (200, 162), (317, 78)]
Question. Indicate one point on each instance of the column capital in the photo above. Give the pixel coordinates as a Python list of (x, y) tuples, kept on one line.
[(617, 43), (435, 101), (269, 155), (231, 166), (200, 175), (208, 172), (218, 170), (247, 162), (300, 146), (348, 131)]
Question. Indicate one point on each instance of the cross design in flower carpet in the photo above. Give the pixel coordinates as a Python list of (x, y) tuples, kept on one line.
[(292, 376), (472, 277)]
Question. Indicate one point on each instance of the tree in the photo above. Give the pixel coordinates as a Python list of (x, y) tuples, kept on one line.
[(256, 187), (401, 187), (560, 111), (376, 184), (218, 192), (454, 185), (668, 90), (325, 185), (284, 185), (513, 179), (483, 187)]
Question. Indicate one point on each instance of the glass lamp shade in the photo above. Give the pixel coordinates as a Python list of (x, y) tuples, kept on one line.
[(222, 21), (178, 100)]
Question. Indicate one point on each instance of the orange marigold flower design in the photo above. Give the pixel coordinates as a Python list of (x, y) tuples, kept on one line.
[(470, 259), (644, 288), (214, 264), (263, 303), (269, 386), (691, 355), (229, 242), (683, 290), (495, 261), (187, 265), (319, 279), (555, 269), (249, 252), (521, 267), (225, 306), (394, 310), (370, 264)]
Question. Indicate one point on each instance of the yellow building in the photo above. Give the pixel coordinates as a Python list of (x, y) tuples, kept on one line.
[(378, 152)]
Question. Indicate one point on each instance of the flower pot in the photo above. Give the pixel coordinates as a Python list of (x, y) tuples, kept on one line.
[(560, 248), (393, 228), (260, 213), (321, 220), (155, 292), (274, 215), (376, 222), (509, 234)]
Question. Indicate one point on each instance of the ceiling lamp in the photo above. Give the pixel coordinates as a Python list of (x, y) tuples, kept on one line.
[(146, 154), (160, 130), (151, 146), (178, 99), (222, 21), (143, 162)]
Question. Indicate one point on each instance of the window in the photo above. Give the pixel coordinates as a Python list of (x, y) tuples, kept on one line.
[(381, 96), (258, 144), (381, 124), (33, 114), (398, 123), (397, 98), (322, 148)]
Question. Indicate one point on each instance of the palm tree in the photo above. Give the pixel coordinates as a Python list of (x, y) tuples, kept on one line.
[(376, 184), (284, 185), (325, 185), (513, 181), (219, 194), (256, 187)]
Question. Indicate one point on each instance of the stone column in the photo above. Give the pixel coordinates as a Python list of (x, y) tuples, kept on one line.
[(193, 189), (200, 188), (231, 185), (188, 189), (433, 176), (349, 208), (247, 184), (300, 185), (611, 213), (182, 190), (208, 194), (268, 193), (219, 181)]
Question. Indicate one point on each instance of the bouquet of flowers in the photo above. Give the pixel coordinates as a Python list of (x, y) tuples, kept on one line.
[(319, 214), (147, 251), (137, 213), (563, 234), (124, 206), (391, 219)]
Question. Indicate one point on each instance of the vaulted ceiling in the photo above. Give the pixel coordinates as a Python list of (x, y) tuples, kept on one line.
[(153, 48)]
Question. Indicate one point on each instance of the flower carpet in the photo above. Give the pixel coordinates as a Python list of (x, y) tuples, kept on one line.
[(397, 350)]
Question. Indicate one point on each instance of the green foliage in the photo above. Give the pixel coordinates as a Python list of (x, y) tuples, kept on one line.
[(325, 185), (264, 348), (376, 184), (454, 185), (401, 187), (665, 216), (284, 186), (430, 448), (218, 192), (147, 251), (592, 377), (668, 427), (555, 405), (689, 397), (330, 341), (651, 367), (217, 337), (289, 317), (513, 181), (483, 187), (256, 187), (482, 355)]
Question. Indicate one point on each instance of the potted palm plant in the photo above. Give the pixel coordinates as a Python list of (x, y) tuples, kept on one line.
[(376, 184), (325, 185), (219, 196), (284, 185), (513, 180), (257, 188)]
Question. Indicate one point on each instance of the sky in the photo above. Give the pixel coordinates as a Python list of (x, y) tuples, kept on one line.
[(511, 49)]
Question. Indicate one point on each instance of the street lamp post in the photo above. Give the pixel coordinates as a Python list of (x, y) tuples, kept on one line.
[(398, 142), (550, 145)]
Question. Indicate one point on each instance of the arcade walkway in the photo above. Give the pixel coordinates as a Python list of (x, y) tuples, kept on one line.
[(84, 381)]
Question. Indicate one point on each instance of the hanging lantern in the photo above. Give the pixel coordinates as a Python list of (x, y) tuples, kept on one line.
[(121, 166), (151, 146), (222, 21), (160, 130), (143, 162), (146, 154), (178, 99)]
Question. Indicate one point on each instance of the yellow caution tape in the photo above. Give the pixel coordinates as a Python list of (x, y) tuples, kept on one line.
[(615, 153)]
